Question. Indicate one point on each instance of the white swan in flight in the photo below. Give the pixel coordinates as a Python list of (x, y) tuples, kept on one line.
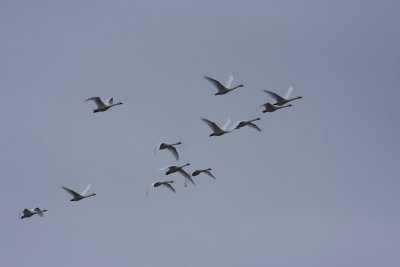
[(249, 123), (166, 184), (216, 130), (76, 196), (280, 101), (29, 213), (221, 88), (268, 107), (170, 147), (179, 169), (100, 104), (206, 171)]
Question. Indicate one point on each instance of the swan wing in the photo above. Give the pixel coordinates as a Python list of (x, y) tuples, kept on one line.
[(225, 126), (38, 212), (190, 179), (72, 192), (26, 212), (254, 126), (270, 106), (235, 125), (229, 82), (184, 173), (275, 96), (173, 151), (288, 92), (187, 176), (212, 125), (157, 147), (110, 101), (97, 101), (263, 105), (169, 186), (86, 189), (209, 174), (216, 83)]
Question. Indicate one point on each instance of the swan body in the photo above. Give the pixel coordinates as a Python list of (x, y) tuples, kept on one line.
[(29, 213), (206, 171), (217, 131), (101, 106), (166, 184), (170, 147), (280, 101), (179, 169), (221, 88), (271, 108), (76, 196), (249, 123)]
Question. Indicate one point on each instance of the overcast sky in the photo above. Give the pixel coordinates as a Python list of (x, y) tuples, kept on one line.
[(318, 187)]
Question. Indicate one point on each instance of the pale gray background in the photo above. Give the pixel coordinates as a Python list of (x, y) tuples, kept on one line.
[(319, 186)]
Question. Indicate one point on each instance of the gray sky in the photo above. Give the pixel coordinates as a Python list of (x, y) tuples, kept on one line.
[(319, 186)]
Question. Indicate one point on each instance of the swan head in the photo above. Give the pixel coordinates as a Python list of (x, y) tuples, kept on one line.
[(240, 85), (212, 134), (179, 143), (119, 103), (94, 111)]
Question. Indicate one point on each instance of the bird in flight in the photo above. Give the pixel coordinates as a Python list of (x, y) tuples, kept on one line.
[(206, 171), (249, 123), (179, 169), (29, 213), (280, 101), (76, 196), (166, 184), (170, 147), (217, 131), (100, 104), (223, 89), (268, 107)]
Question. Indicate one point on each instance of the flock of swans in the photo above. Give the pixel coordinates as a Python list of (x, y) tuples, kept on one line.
[(281, 102)]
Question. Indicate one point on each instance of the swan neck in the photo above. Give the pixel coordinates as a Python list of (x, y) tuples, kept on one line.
[(294, 98)]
